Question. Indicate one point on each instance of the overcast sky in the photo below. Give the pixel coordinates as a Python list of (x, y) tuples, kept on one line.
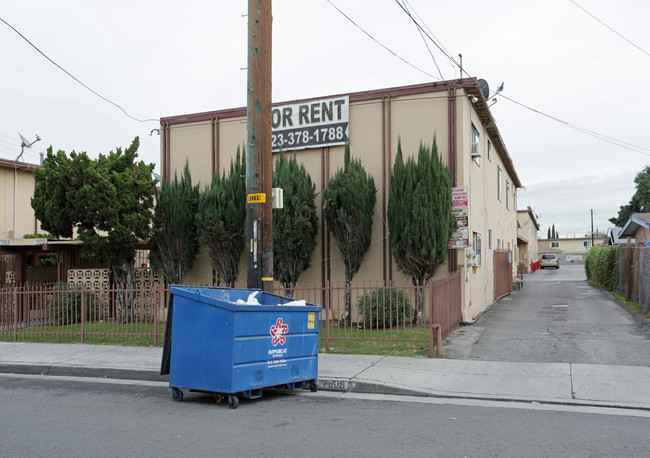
[(162, 58)]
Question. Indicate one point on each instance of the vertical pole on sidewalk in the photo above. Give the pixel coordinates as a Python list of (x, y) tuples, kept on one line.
[(628, 269), (259, 216)]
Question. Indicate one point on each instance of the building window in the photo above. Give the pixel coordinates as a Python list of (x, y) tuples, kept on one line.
[(555, 244), (489, 150), (587, 244), (490, 239), (477, 249), (499, 182), (476, 139), (507, 195)]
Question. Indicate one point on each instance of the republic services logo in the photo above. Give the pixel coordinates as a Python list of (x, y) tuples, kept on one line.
[(278, 332)]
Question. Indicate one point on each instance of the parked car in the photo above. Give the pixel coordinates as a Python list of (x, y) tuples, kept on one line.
[(550, 260)]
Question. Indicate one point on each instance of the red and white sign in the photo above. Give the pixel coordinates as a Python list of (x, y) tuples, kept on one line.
[(459, 208), (278, 332), (460, 197)]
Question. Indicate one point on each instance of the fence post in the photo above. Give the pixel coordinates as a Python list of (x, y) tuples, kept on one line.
[(628, 269), (327, 314), (156, 304), (431, 315), (83, 313), (15, 313)]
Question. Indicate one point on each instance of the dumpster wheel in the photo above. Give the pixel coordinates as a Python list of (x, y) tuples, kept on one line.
[(233, 401), (177, 395), (313, 386)]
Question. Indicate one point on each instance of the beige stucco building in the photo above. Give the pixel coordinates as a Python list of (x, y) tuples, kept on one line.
[(16, 213), (570, 250), (455, 112), (527, 245)]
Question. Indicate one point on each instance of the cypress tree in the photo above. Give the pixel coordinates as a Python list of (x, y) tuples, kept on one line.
[(419, 215), (222, 219), (174, 237), (295, 225), (348, 204)]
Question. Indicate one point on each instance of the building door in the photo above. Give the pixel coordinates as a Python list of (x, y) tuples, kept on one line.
[(502, 273)]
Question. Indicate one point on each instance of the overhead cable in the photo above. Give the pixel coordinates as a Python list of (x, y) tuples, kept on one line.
[(73, 77)]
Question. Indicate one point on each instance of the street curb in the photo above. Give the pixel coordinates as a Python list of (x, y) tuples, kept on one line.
[(341, 385), (75, 371)]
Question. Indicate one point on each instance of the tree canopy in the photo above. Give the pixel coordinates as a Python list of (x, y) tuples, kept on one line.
[(108, 200), (348, 204), (295, 226), (221, 219), (173, 239), (419, 214), (640, 201)]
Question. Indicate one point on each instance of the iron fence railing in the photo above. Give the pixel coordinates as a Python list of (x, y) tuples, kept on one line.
[(367, 316)]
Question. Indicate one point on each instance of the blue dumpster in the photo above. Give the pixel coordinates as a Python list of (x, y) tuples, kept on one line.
[(233, 349)]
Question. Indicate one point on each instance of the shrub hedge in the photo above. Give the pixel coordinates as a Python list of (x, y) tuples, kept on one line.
[(383, 308), (65, 305), (601, 267)]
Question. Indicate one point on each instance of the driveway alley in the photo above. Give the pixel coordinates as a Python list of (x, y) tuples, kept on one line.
[(556, 318)]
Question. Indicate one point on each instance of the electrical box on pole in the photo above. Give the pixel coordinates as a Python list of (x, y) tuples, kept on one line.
[(259, 215)]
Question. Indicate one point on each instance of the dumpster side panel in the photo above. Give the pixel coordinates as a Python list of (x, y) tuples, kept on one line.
[(201, 354), (276, 372), (275, 346)]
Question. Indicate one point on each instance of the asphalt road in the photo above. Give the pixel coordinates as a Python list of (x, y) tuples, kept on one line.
[(556, 318), (57, 416)]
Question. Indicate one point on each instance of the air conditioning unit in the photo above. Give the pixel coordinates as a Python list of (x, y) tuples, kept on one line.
[(476, 150)]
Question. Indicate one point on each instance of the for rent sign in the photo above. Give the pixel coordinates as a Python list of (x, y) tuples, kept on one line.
[(460, 208), (311, 124)]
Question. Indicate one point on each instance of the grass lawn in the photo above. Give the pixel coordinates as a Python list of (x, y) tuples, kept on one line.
[(345, 341), (106, 333), (377, 342)]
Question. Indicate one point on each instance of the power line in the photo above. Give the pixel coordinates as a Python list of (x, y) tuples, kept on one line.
[(379, 43), (620, 143), (610, 28), (73, 77), (428, 49)]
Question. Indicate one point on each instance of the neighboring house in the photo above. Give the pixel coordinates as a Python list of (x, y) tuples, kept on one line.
[(19, 256), (570, 250), (527, 245), (614, 237), (16, 214), (455, 112), (638, 227)]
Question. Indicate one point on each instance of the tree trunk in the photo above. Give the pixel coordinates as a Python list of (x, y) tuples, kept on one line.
[(419, 300), (124, 278), (347, 316)]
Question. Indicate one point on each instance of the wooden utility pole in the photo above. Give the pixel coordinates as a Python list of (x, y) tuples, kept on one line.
[(259, 215)]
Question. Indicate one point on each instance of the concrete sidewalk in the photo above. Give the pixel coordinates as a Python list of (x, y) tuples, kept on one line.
[(556, 383)]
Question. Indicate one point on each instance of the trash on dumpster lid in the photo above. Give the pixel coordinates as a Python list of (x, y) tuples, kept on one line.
[(252, 300), (300, 302)]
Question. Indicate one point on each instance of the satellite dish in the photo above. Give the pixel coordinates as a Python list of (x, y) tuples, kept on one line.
[(485, 88), (25, 141)]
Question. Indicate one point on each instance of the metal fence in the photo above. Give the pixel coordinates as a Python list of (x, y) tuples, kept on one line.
[(385, 319), (61, 313), (634, 275)]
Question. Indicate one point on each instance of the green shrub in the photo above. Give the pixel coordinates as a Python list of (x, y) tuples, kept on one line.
[(601, 267), (65, 304), (383, 308)]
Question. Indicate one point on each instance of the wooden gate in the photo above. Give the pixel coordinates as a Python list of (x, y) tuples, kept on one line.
[(502, 273)]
